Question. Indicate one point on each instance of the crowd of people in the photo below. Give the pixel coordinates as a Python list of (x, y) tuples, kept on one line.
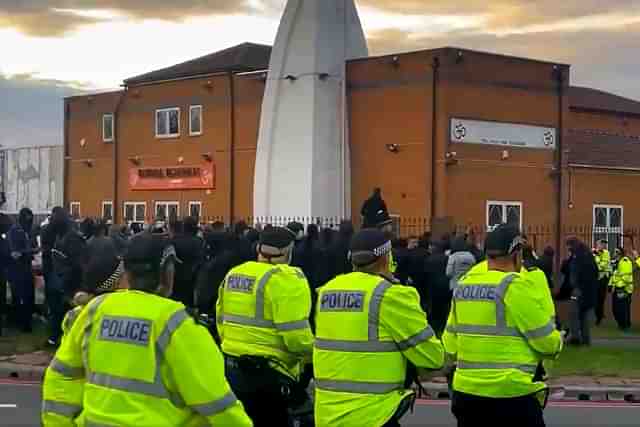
[(207, 253)]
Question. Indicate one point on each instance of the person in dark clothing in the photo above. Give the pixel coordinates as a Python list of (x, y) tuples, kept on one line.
[(582, 272), (119, 235), (5, 259), (545, 263), (340, 249), (372, 208), (298, 231), (57, 226), (309, 251), (417, 259), (190, 251), (19, 271), (401, 256), (439, 295), (70, 255)]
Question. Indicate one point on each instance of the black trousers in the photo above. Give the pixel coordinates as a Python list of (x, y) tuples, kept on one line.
[(603, 285), (473, 411), (265, 393), (621, 305), (3, 299)]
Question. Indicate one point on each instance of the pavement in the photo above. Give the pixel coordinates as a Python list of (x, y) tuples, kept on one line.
[(20, 406)]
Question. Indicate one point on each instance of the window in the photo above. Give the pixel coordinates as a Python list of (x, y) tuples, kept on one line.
[(135, 212), (107, 127), (168, 123), (195, 120), (107, 211), (195, 209), (167, 210), (503, 213), (74, 208), (608, 225)]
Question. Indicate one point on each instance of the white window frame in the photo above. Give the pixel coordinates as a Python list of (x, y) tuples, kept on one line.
[(608, 229), (167, 135), (107, 203), (113, 125), (191, 108), (504, 205), (167, 203), (195, 203), (135, 206), (72, 205)]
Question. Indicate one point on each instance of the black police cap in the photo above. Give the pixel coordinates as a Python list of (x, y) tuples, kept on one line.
[(277, 237), (368, 245), (504, 240)]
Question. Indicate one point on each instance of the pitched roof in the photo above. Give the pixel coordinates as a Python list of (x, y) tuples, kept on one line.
[(243, 57), (603, 150), (596, 100)]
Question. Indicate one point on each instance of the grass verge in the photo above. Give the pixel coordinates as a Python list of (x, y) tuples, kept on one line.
[(598, 362), (16, 342)]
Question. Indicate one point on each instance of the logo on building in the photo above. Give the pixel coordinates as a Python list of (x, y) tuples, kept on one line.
[(548, 138), (460, 131)]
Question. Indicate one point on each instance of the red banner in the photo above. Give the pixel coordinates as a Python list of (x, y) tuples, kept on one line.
[(173, 178)]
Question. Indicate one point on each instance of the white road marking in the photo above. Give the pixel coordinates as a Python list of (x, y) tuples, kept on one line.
[(8, 406)]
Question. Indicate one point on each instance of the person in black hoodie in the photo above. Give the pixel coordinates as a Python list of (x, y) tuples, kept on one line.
[(438, 302), (5, 258), (190, 250), (581, 271), (373, 208), (20, 273), (340, 249)]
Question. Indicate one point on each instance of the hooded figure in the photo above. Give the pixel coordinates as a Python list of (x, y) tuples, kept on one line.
[(460, 261), (20, 275), (373, 209)]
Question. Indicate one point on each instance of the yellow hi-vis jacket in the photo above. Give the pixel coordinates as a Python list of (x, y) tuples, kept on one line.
[(603, 260), (622, 279), (138, 360), (69, 319), (498, 331), (366, 330), (263, 310)]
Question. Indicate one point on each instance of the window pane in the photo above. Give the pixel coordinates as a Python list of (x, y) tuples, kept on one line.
[(196, 119), (141, 213), (173, 122), (172, 212), (615, 217), (194, 210), (107, 211), (495, 215), (600, 217), (513, 215), (161, 122), (129, 213), (107, 127), (161, 211)]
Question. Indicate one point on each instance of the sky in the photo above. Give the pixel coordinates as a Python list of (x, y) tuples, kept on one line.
[(50, 49)]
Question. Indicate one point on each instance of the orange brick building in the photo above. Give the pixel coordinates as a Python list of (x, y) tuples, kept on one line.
[(451, 135)]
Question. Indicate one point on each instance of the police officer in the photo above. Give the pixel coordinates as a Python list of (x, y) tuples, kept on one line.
[(136, 358), (369, 328), (622, 285), (603, 260), (262, 315), (498, 333)]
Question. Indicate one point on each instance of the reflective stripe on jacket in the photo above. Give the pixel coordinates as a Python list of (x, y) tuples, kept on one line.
[(263, 310), (366, 330), (136, 359), (499, 329)]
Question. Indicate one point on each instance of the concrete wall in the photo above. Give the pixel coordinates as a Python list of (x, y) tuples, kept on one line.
[(33, 178)]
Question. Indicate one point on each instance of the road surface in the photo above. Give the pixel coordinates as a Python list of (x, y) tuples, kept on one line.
[(20, 406)]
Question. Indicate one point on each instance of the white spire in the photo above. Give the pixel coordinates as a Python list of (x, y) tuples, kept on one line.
[(302, 160)]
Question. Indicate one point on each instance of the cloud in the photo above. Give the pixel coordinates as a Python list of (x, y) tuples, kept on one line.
[(612, 68), (34, 115), (53, 18), (508, 13)]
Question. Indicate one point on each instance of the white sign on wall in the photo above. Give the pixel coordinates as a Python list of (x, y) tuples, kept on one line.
[(506, 134)]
